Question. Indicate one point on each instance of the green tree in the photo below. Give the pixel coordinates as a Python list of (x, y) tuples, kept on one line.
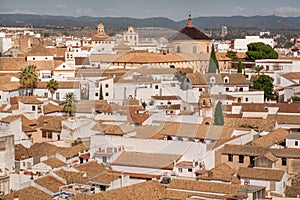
[(180, 76), (69, 103), (218, 117), (264, 83), (232, 55), (213, 62), (260, 50), (101, 93), (52, 86), (28, 78), (240, 67)]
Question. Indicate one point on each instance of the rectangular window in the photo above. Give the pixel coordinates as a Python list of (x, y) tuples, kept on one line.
[(33, 108), (104, 159), (296, 143), (190, 170), (46, 94), (180, 170), (283, 161), (50, 135), (156, 86), (230, 158), (241, 159), (106, 94), (96, 94), (44, 134), (106, 85), (246, 99)]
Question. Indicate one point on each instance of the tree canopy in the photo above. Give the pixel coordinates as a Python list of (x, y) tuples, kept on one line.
[(264, 83), (69, 102), (52, 86), (240, 67), (28, 78), (260, 50), (232, 55)]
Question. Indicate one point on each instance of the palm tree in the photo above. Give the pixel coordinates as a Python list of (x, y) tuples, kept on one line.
[(69, 101), (258, 70), (52, 86), (28, 77)]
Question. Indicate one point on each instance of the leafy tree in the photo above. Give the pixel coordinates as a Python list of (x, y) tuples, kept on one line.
[(264, 83), (213, 62), (232, 55), (52, 86), (180, 76), (69, 103), (28, 77), (101, 93), (218, 117), (260, 50), (240, 67)]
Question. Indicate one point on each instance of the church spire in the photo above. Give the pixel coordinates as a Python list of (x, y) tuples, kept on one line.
[(190, 23)]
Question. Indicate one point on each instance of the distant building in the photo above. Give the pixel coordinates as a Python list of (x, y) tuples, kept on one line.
[(224, 31), (131, 37), (240, 45)]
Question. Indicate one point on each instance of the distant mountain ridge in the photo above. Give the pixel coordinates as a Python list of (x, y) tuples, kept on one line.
[(259, 22)]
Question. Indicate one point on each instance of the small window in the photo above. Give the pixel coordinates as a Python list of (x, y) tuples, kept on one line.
[(190, 170), (283, 161), (241, 89), (225, 80), (156, 86), (212, 80), (194, 49), (106, 94), (178, 49), (241, 159), (64, 66), (230, 158), (96, 94), (106, 85), (33, 58), (180, 170), (33, 108), (296, 143), (44, 134), (46, 58), (50, 135), (227, 89), (57, 95), (246, 99), (200, 89), (104, 158)]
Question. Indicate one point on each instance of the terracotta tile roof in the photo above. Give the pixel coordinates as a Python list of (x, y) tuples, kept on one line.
[(292, 191), (72, 176), (25, 100), (10, 86), (221, 56), (28, 193), (286, 153), (50, 123), (223, 169), (57, 51), (9, 119), (288, 119), (272, 138), (262, 107), (294, 135), (12, 63), (292, 76), (43, 149), (51, 108), (260, 174), (54, 162), (134, 116), (147, 131), (105, 178), (246, 150), (148, 190), (184, 130), (49, 182), (148, 160), (91, 168), (39, 50), (196, 79), (113, 129), (201, 186), (235, 79), (42, 64), (21, 152), (166, 97), (72, 151)]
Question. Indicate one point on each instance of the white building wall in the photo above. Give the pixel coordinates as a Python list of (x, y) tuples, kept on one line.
[(240, 45), (5, 44), (291, 143)]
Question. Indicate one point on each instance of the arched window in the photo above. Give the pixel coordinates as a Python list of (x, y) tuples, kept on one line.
[(239, 100), (194, 49), (178, 49)]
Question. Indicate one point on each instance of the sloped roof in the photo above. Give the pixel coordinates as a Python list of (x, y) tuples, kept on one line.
[(28, 193), (272, 138), (261, 174), (51, 123), (49, 182), (54, 162), (189, 32), (91, 168), (148, 160), (39, 50)]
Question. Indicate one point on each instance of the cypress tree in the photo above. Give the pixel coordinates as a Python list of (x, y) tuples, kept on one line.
[(218, 117), (240, 67), (213, 61), (101, 93)]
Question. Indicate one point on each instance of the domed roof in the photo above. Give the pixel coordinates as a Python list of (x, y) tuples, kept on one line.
[(101, 35), (189, 32)]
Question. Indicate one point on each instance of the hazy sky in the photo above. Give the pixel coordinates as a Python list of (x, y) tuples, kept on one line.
[(174, 9)]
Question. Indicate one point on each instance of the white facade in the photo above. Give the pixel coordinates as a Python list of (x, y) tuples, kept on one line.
[(240, 45), (5, 44), (131, 37)]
